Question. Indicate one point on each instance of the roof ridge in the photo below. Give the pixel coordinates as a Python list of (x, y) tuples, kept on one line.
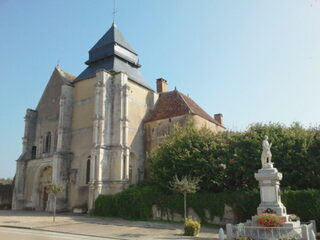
[(212, 119), (182, 96)]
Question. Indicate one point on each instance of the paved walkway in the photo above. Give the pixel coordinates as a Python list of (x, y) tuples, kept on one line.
[(99, 227)]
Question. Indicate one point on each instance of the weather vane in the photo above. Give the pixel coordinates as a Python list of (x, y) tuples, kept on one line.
[(114, 10)]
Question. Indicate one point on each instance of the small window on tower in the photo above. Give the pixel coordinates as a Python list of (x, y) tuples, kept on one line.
[(34, 152), (88, 170)]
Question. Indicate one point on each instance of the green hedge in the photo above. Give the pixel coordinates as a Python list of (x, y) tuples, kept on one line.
[(304, 203), (136, 203)]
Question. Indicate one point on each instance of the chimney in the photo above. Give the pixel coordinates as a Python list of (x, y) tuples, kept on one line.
[(219, 118), (162, 85)]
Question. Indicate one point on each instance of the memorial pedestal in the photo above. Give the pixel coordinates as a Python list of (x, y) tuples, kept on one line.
[(269, 182)]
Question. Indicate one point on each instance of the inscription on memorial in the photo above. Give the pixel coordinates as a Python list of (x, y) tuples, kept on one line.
[(268, 194)]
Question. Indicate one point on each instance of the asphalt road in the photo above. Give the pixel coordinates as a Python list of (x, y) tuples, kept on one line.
[(28, 234)]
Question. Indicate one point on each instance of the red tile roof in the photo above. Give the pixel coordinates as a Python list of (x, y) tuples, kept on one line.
[(173, 104)]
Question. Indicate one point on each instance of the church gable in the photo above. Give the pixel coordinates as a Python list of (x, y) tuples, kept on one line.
[(49, 101)]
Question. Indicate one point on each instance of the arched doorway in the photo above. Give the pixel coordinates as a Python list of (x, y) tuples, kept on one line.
[(45, 178)]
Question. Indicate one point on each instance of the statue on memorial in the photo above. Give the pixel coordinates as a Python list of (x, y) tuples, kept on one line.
[(266, 152)]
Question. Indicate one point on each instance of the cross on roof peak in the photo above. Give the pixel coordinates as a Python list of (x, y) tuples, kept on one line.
[(114, 11)]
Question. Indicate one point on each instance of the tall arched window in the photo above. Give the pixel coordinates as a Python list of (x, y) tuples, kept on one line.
[(55, 141), (47, 143), (132, 168), (88, 170)]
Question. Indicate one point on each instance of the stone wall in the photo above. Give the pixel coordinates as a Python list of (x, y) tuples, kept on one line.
[(5, 195), (167, 214)]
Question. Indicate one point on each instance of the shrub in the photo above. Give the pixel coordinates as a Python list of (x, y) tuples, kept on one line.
[(140, 207), (243, 203), (270, 220), (304, 203), (318, 235), (191, 227), (243, 238)]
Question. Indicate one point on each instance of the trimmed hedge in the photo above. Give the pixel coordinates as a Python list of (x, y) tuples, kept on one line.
[(136, 203)]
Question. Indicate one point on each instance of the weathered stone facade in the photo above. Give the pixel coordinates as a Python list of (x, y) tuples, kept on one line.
[(91, 133)]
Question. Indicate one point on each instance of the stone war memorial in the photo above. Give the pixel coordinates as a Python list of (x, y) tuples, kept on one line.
[(272, 221)]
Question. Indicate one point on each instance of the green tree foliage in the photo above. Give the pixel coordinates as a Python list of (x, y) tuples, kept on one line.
[(188, 152), (6, 181), (228, 160)]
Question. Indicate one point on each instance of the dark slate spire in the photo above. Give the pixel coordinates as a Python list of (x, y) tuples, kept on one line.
[(113, 35), (113, 53)]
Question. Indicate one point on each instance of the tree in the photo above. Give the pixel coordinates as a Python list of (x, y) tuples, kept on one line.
[(226, 161), (189, 152), (6, 181), (54, 190), (184, 186)]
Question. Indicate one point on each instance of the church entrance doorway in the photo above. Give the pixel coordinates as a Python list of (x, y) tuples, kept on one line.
[(44, 179)]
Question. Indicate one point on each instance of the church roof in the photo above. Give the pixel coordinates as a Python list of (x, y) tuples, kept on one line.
[(113, 53), (174, 103), (113, 35), (53, 88)]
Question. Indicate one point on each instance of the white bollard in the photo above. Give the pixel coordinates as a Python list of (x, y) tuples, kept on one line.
[(221, 234), (229, 231)]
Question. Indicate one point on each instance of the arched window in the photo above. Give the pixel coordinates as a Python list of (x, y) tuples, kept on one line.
[(33, 152), (47, 143), (88, 170), (55, 141), (132, 168)]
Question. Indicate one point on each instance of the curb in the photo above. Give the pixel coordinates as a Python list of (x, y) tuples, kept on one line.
[(10, 226)]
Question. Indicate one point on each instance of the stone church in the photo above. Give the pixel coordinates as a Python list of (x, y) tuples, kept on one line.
[(91, 133)]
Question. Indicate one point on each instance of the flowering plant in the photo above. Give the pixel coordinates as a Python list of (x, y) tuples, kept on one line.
[(270, 220)]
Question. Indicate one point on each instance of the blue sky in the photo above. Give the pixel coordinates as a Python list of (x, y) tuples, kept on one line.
[(253, 61)]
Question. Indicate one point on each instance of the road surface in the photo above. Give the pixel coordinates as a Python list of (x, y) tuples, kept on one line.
[(28, 234)]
